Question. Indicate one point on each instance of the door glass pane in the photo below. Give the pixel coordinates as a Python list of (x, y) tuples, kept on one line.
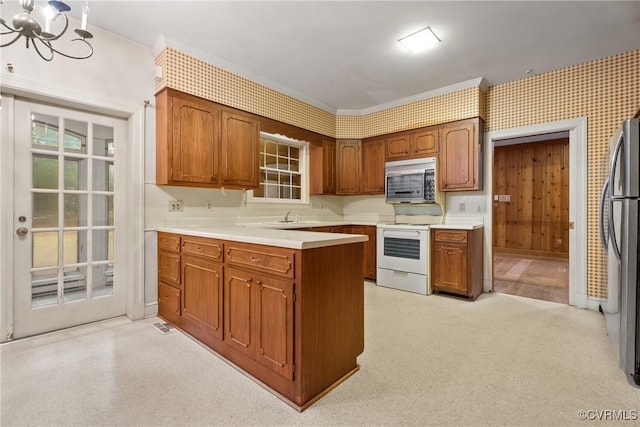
[(75, 136), (74, 247), (45, 172), (75, 284), (103, 141), (75, 174), (45, 249), (102, 175), (75, 210), (102, 280), (102, 245), (44, 131), (45, 210), (44, 287), (102, 210)]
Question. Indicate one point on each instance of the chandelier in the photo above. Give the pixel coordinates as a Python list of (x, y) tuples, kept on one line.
[(25, 25)]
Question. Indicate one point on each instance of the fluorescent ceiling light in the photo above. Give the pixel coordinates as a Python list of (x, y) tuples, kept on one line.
[(420, 40)]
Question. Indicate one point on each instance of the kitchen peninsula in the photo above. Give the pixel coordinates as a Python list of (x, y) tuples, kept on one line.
[(286, 307)]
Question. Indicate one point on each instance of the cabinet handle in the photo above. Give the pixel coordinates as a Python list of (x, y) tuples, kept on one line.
[(254, 259)]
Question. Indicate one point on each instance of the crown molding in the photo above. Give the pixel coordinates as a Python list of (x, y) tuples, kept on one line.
[(477, 82)]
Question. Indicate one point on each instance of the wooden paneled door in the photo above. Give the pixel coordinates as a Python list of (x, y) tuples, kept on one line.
[(531, 198)]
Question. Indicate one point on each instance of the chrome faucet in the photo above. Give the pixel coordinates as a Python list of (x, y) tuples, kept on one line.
[(286, 217)]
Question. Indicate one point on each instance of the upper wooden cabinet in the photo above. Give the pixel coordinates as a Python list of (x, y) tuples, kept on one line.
[(240, 143), (322, 167), (373, 158), (201, 144), (348, 166), (418, 143), (461, 155)]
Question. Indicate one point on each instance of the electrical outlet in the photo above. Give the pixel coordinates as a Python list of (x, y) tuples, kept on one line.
[(210, 204), (462, 206), (176, 206)]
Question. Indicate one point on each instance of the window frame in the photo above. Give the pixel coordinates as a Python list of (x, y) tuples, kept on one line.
[(303, 169)]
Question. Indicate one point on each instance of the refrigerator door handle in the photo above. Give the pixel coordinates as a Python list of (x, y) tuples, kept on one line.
[(612, 229), (614, 164), (603, 197)]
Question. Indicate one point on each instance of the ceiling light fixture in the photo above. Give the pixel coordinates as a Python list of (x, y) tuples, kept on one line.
[(24, 24), (420, 40)]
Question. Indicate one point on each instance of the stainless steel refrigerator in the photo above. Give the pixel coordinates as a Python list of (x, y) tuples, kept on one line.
[(619, 231)]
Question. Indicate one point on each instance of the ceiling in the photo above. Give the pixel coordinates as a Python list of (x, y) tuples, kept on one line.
[(341, 55)]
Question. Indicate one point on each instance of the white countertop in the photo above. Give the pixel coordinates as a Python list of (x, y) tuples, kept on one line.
[(269, 236)]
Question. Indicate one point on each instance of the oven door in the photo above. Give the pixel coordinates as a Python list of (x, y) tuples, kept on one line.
[(403, 250)]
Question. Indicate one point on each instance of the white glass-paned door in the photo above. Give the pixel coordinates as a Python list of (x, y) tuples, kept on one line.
[(69, 215)]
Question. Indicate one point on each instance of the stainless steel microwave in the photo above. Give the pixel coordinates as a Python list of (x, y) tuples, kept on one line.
[(411, 181)]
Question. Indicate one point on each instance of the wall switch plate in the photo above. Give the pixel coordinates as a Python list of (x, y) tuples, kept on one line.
[(176, 206), (210, 205), (462, 206)]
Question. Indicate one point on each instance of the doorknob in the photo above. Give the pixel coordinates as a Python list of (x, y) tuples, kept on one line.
[(22, 231)]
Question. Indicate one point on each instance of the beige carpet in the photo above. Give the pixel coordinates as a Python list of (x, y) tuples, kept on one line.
[(436, 360)]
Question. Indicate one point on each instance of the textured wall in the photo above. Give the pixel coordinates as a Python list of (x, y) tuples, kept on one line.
[(606, 91)]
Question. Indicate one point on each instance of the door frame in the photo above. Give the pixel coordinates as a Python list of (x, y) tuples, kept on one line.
[(577, 128), (133, 266)]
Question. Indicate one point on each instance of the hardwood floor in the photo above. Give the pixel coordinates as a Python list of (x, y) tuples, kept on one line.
[(531, 276)]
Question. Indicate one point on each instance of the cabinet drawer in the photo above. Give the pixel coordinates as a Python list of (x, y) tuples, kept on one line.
[(168, 302), (169, 267), (202, 246), (263, 258), (168, 242), (454, 236)]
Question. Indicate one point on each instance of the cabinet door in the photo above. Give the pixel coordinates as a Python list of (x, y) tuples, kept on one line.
[(240, 142), (274, 324), (202, 296), (238, 310), (399, 146), (349, 166), (369, 260), (425, 142), (373, 158), (195, 144), (450, 267), (459, 156), (329, 166), (322, 167)]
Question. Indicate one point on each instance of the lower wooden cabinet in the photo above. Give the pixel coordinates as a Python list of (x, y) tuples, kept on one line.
[(457, 261), (369, 264), (277, 313), (202, 297), (259, 318)]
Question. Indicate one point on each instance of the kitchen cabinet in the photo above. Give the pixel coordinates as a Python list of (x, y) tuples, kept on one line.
[(369, 264), (348, 166), (418, 143), (457, 261), (461, 157), (202, 144), (240, 143), (259, 318), (201, 265), (373, 159), (169, 283), (322, 167), (279, 314)]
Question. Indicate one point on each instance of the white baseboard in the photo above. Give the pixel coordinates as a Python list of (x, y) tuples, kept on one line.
[(594, 303), (150, 310)]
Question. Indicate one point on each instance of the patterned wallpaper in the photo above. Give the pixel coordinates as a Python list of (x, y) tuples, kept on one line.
[(196, 77), (606, 91)]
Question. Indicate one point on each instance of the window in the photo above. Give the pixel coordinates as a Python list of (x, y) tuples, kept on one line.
[(283, 170)]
